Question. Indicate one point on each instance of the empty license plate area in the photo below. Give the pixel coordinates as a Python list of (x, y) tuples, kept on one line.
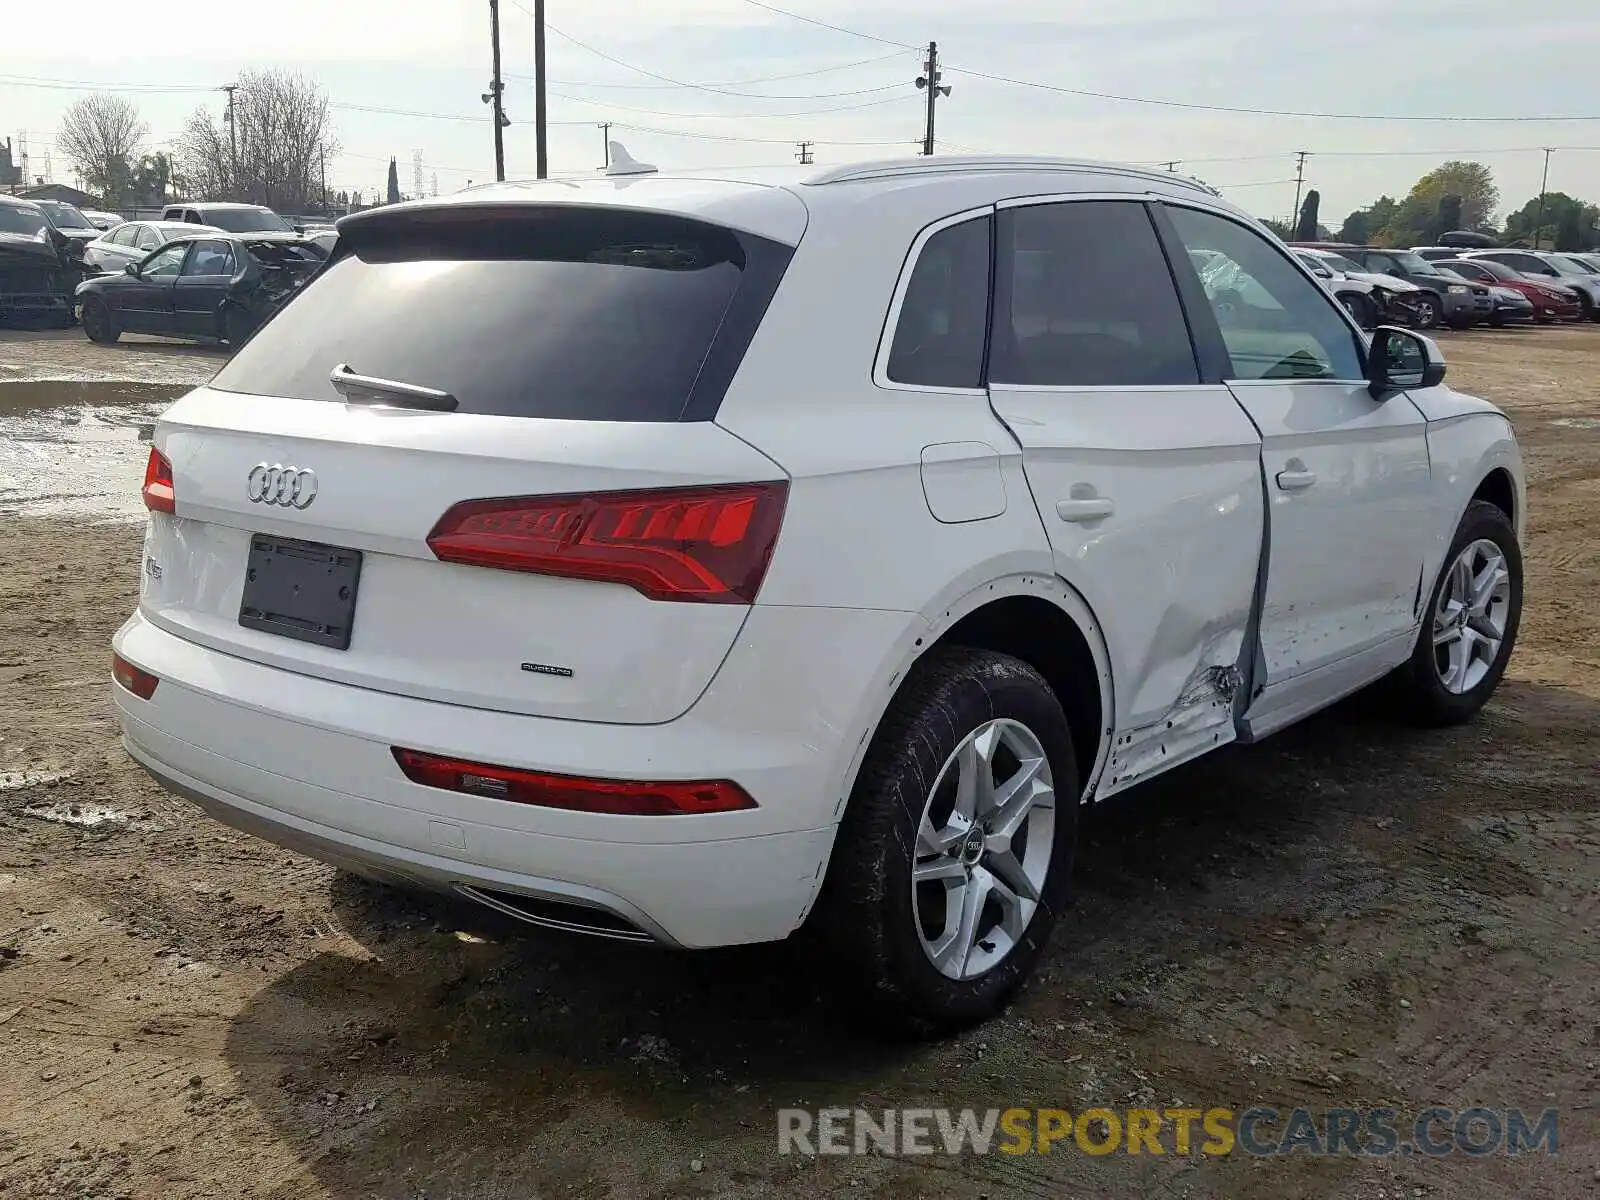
[(300, 590)]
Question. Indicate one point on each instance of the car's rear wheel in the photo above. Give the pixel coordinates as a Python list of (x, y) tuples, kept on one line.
[(954, 858), (1470, 625), (98, 323), (235, 327), (1361, 308)]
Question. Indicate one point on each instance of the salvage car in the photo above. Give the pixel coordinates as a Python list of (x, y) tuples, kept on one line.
[(36, 275), (235, 218), (101, 220), (212, 288), (1548, 303), (1371, 299), (1445, 299), (703, 559), (133, 242)]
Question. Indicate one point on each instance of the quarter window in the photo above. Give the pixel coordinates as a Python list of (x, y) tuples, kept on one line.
[(1275, 322), (938, 340), (1084, 298)]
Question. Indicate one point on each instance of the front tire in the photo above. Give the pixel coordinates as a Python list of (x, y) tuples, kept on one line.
[(1427, 309), (1469, 628), (98, 323), (954, 858)]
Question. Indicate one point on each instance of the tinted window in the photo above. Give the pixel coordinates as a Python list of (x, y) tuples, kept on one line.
[(210, 258), (1083, 297), (938, 341), (1276, 323), (565, 312), (165, 263), (26, 221), (244, 220)]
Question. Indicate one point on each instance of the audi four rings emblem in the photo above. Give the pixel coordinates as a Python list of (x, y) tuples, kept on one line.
[(287, 487)]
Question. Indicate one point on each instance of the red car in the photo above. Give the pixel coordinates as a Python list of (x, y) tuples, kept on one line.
[(1549, 303)]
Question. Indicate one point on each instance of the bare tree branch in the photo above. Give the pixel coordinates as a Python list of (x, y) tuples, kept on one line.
[(100, 134), (274, 155)]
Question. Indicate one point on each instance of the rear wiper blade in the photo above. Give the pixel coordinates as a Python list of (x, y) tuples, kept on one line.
[(388, 393)]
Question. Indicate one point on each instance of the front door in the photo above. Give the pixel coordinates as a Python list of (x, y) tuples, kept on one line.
[(1148, 478), (198, 296), (144, 303), (1347, 475)]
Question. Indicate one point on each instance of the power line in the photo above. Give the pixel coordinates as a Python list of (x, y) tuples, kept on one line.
[(728, 137), (1163, 103), (653, 112), (865, 62), (885, 87)]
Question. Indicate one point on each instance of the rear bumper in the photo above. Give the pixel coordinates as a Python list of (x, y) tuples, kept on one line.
[(306, 763)]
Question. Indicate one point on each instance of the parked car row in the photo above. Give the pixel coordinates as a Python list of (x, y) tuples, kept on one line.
[(1576, 275), (1444, 299)]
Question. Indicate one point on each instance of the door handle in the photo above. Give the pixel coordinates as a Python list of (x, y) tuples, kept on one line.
[(1085, 510), (1296, 481)]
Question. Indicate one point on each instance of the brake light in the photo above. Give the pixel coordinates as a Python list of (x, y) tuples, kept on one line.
[(614, 796), (710, 544), (158, 493), (141, 683)]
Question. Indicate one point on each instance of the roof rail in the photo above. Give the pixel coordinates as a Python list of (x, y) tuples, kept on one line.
[(957, 163)]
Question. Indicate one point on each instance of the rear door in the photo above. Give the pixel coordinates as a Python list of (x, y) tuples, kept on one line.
[(534, 513), (1348, 475), (202, 286), (1146, 473), (144, 303)]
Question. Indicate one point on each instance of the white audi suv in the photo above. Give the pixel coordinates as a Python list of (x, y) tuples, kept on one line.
[(692, 557)]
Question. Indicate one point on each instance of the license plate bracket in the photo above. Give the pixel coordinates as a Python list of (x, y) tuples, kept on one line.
[(300, 590)]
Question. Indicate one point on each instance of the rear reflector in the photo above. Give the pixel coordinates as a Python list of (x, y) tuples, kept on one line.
[(709, 544), (158, 493), (141, 683), (615, 796)]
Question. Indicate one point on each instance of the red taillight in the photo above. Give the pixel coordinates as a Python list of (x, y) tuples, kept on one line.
[(158, 493), (615, 796), (710, 544), (141, 683)]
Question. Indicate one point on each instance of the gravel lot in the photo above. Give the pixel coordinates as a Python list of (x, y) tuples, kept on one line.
[(1349, 914)]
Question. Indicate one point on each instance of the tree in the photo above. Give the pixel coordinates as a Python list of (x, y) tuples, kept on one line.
[(394, 183), (1449, 216), (154, 178), (1415, 219), (1560, 211), (282, 131), (1569, 229), (99, 134), (1281, 228), (1360, 226), (1306, 231)]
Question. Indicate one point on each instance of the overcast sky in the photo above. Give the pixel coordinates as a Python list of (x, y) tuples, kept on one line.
[(1463, 58)]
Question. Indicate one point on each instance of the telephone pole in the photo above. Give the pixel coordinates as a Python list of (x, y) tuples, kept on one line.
[(495, 96), (803, 153), (1299, 182), (1544, 186), (233, 139), (929, 82), (541, 143), (1173, 165), (605, 136)]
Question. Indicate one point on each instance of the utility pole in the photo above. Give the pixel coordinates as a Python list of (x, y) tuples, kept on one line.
[(233, 140), (605, 135), (1299, 182), (1173, 165), (929, 82), (804, 153), (540, 140), (495, 96), (1544, 186)]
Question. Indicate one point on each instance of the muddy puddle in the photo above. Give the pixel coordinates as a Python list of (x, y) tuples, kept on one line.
[(77, 447)]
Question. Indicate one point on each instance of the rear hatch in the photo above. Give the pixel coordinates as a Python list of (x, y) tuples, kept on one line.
[(525, 393)]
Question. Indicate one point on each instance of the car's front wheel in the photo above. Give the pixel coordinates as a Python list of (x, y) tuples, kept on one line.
[(954, 858), (98, 323), (1427, 307), (1470, 625)]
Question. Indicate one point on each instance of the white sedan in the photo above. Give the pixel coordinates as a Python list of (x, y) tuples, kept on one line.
[(687, 558)]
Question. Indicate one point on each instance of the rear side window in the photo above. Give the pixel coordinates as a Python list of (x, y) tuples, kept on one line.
[(532, 311), (938, 341), (1084, 298)]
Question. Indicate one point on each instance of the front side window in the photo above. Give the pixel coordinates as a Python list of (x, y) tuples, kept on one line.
[(150, 239), (938, 340), (1084, 298), (1275, 322), (165, 264)]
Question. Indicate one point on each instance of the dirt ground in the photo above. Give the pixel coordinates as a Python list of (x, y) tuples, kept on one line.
[(1348, 914)]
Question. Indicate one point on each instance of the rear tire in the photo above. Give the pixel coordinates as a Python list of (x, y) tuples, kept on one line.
[(98, 323), (1453, 669), (927, 911), (1361, 308), (235, 327)]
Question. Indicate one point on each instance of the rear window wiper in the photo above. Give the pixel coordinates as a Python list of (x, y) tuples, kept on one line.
[(388, 393)]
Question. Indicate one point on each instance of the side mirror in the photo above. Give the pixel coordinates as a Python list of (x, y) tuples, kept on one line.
[(1401, 360), (132, 269)]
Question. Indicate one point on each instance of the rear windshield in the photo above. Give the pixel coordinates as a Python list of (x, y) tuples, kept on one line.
[(246, 220), (555, 312)]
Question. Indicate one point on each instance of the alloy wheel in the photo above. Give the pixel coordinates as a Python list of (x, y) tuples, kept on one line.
[(1469, 620), (984, 846)]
